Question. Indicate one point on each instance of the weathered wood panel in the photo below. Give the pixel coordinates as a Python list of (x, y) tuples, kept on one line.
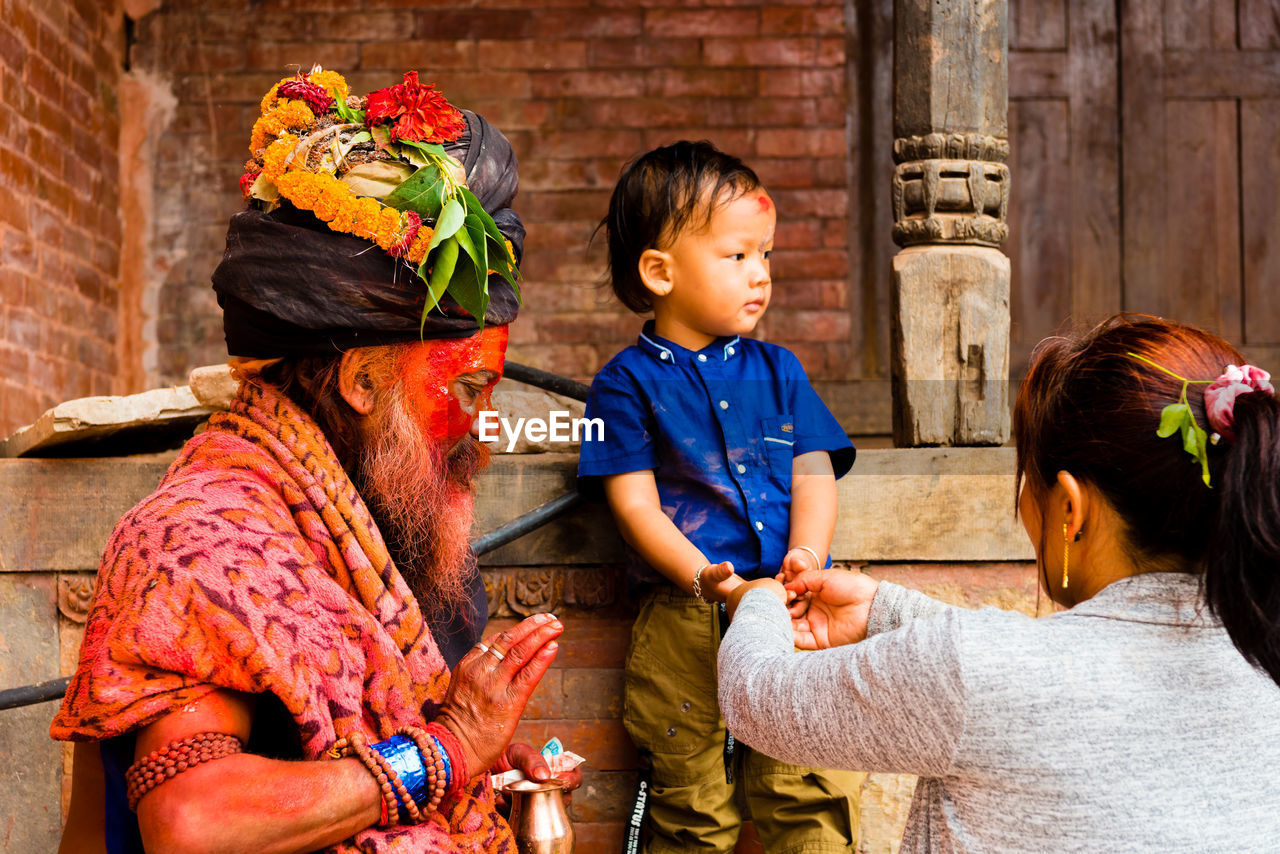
[(1259, 24), (1219, 73), (895, 505), (869, 82), (1143, 151), (1199, 24), (1037, 74), (930, 504), (1202, 220), (30, 762), (1260, 209), (1094, 151), (55, 515), (1037, 25), (71, 506), (1039, 247)]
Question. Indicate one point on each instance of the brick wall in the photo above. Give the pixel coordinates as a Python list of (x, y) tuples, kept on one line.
[(60, 233), (579, 87)]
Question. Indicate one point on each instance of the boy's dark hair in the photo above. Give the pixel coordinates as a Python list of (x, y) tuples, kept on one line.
[(657, 196)]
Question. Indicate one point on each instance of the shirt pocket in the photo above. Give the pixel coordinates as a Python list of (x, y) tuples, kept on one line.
[(778, 436)]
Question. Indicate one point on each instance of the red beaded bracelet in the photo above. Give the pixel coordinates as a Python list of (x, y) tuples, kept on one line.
[(175, 757)]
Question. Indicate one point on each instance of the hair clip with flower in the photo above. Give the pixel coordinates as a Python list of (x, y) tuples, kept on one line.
[(1178, 418), (376, 168), (1220, 396)]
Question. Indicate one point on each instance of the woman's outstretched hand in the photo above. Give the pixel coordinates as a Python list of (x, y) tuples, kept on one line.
[(492, 684), (830, 607)]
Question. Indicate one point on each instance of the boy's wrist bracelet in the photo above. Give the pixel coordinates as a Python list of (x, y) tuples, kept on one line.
[(816, 559), (697, 582)]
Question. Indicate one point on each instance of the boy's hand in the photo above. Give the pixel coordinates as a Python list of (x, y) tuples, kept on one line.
[(796, 561), (717, 580)]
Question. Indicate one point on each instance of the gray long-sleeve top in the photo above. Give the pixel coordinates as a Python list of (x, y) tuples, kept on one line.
[(1126, 724)]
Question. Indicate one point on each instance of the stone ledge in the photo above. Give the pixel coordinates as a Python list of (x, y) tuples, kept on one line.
[(100, 426)]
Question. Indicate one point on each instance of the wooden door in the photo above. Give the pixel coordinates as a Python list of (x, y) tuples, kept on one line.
[(1064, 139), (1201, 166)]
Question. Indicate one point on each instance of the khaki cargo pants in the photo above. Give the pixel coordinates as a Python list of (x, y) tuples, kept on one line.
[(672, 713)]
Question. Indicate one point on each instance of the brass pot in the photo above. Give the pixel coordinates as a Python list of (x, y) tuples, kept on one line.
[(538, 817)]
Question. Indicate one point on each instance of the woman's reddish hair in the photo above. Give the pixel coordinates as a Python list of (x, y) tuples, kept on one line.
[(1090, 408)]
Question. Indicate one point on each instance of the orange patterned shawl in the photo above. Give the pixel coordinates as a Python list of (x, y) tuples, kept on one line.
[(255, 566)]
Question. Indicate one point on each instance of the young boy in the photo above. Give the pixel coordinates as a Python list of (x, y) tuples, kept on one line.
[(719, 463)]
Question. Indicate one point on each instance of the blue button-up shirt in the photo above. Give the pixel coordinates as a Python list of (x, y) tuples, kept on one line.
[(719, 427)]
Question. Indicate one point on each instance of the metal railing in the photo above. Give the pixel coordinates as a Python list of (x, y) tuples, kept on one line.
[(54, 689)]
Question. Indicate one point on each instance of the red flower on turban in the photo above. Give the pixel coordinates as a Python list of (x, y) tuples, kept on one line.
[(303, 89), (417, 112)]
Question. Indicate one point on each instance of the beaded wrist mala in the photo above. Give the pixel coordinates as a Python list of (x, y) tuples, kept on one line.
[(174, 758), (394, 793), (413, 770)]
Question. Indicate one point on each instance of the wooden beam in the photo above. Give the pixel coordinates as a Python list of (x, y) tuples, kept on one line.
[(896, 505), (1218, 73)]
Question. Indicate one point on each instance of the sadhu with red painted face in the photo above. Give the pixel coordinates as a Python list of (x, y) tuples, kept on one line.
[(282, 651)]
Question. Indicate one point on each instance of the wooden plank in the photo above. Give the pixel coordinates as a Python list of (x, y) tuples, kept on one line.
[(1144, 198), (1192, 24), (1037, 75), (1260, 208), (1094, 152), (1219, 73), (1266, 357), (896, 505), (56, 514), (1037, 25), (1039, 245), (517, 483), (925, 504), (870, 220), (31, 771), (863, 407), (1203, 218), (1259, 24)]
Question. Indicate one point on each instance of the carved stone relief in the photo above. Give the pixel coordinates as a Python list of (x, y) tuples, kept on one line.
[(521, 592), (74, 596)]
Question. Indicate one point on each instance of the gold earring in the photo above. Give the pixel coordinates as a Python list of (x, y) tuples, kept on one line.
[(1066, 554)]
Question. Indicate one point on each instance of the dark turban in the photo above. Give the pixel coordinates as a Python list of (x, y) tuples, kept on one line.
[(289, 286)]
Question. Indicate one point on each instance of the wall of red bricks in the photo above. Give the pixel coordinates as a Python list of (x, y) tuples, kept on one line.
[(579, 87), (60, 61)]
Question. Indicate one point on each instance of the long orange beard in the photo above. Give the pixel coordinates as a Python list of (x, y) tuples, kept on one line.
[(420, 494)]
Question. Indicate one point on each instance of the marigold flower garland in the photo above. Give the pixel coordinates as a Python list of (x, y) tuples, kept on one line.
[(406, 124)]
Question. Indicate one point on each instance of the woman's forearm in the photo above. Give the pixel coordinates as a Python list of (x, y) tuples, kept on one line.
[(895, 605), (893, 703)]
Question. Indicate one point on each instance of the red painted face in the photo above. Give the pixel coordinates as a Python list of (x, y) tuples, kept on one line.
[(448, 381), (763, 201)]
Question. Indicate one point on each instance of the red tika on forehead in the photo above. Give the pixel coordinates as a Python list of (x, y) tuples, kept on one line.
[(764, 202), (430, 370)]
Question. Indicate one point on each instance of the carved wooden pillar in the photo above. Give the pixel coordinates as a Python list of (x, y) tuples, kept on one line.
[(950, 345)]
